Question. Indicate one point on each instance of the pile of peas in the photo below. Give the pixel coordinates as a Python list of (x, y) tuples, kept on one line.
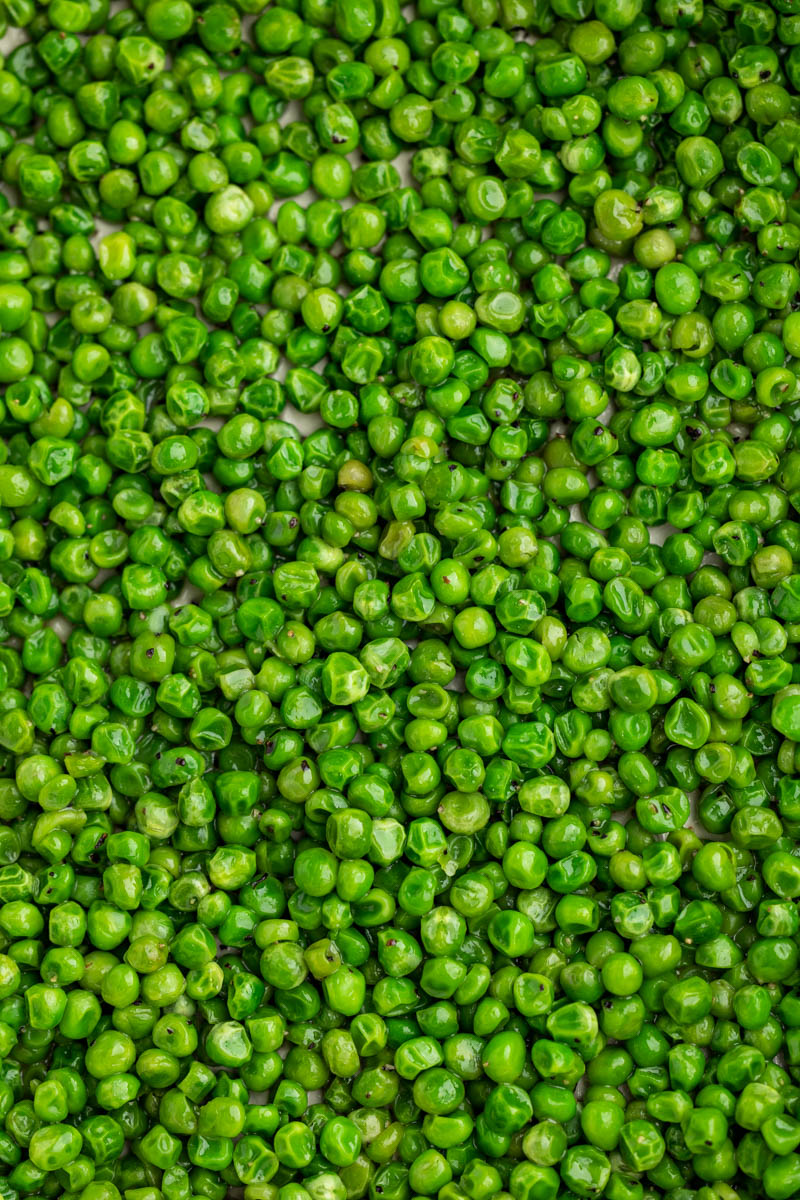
[(408, 809)]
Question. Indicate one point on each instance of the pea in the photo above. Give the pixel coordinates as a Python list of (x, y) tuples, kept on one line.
[(398, 605)]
